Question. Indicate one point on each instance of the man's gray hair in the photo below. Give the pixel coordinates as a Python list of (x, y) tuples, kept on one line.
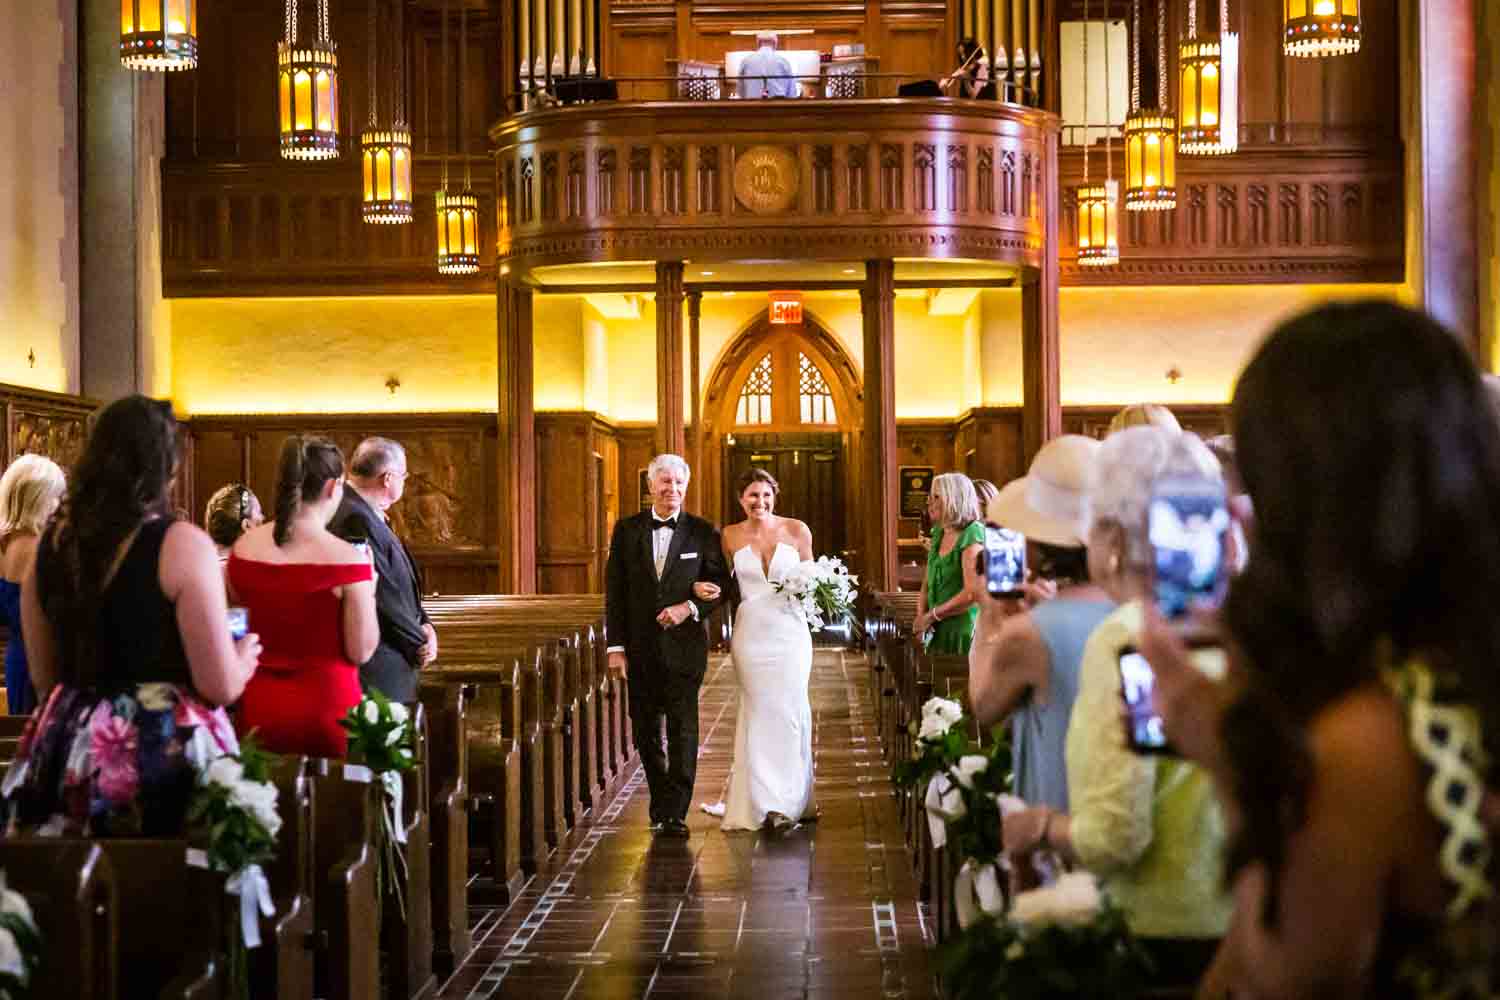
[(766, 38), (668, 462), (1130, 464), (374, 456)]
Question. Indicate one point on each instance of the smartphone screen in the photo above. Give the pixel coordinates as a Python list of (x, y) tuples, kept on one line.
[(1004, 562), (1144, 731), (1189, 522), (239, 622)]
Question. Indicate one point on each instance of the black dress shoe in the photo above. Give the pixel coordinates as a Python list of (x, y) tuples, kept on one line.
[(674, 828)]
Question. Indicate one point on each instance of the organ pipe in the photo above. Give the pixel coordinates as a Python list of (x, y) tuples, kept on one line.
[(575, 30), (1011, 32), (556, 34)]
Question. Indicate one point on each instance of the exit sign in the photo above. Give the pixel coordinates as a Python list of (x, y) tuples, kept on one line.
[(786, 308)]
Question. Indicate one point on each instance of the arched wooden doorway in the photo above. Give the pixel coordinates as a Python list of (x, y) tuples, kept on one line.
[(786, 398)]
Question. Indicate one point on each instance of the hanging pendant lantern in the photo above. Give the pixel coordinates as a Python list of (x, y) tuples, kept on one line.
[(1317, 28), (1097, 223), (458, 232), (1209, 65), (308, 84), (385, 150), (457, 211), (159, 35), (1150, 132)]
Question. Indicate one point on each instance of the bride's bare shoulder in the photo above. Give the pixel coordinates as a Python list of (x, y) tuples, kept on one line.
[(796, 530), (731, 535)]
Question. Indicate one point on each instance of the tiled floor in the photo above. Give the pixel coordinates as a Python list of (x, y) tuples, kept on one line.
[(829, 911)]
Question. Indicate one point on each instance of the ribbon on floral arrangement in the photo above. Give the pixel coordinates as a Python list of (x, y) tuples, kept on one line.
[(944, 804), (254, 889), (982, 881), (391, 780)]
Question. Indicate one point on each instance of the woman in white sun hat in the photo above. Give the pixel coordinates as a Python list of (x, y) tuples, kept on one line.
[(1027, 668)]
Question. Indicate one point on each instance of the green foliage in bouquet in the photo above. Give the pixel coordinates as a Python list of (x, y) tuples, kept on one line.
[(381, 735), (999, 959), (233, 814)]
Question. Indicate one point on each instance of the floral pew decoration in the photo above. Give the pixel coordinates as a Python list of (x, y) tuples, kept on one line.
[(382, 737), (1064, 939), (20, 944)]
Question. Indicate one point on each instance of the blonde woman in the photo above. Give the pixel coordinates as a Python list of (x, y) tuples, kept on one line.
[(946, 605), (30, 491), (1144, 415)]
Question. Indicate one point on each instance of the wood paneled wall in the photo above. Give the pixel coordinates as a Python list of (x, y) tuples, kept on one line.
[(38, 422)]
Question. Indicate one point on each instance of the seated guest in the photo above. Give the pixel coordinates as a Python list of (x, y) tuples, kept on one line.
[(1354, 744), (946, 602), (1027, 667), (1144, 415), (972, 77), (1148, 826), (232, 511), (128, 645), (312, 596), (765, 72), (30, 491), (408, 642)]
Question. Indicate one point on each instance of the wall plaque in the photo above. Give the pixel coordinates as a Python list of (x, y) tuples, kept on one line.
[(766, 179), (916, 486)]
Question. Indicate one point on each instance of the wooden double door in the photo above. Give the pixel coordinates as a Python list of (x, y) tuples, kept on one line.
[(809, 466)]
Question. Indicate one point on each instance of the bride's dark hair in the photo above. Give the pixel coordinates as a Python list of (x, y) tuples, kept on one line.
[(753, 476)]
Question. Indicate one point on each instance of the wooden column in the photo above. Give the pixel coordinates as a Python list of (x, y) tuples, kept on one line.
[(670, 434), (517, 442), (879, 486), (695, 393), (1446, 100), (1041, 366)]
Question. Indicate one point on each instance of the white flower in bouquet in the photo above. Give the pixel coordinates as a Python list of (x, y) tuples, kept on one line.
[(14, 904), (258, 798), (1070, 902), (968, 766), (938, 716), (816, 590), (11, 961), (226, 771), (371, 711), (399, 714)]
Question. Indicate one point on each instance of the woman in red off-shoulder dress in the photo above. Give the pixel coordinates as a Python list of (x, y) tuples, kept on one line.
[(311, 597)]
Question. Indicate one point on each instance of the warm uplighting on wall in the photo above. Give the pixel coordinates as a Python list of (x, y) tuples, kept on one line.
[(1209, 66), (1150, 131), (1098, 224), (386, 149), (1315, 28), (159, 35), (458, 232), (308, 86)]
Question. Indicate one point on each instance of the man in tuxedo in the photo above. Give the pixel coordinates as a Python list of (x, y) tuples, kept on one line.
[(658, 634), (408, 642)]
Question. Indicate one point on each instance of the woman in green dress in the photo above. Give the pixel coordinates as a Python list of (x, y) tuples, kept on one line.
[(946, 605)]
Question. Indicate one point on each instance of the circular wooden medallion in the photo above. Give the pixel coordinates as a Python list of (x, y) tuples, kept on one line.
[(766, 179)]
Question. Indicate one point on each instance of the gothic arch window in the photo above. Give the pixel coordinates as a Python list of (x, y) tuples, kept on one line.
[(813, 394), (755, 398)]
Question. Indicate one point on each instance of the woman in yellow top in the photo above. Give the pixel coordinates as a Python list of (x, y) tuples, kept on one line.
[(946, 605)]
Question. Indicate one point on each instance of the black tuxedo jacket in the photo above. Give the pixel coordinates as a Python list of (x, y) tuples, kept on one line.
[(398, 599), (634, 597)]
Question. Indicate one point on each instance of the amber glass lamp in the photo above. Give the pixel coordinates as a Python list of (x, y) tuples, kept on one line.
[(1209, 68), (1317, 28), (457, 232), (385, 144), (1098, 224), (307, 76), (1150, 130), (159, 35)]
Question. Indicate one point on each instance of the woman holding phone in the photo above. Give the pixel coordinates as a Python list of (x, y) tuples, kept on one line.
[(1148, 826)]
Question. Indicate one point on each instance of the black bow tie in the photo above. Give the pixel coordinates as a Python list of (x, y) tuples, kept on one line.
[(670, 524)]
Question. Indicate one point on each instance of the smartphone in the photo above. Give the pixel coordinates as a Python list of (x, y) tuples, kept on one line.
[(1004, 562), (1144, 730), (362, 546), (239, 622), (1188, 522)]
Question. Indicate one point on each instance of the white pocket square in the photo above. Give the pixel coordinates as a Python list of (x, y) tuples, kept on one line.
[(688, 555)]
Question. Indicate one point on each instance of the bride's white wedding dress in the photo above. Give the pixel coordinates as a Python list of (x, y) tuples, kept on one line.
[(772, 650)]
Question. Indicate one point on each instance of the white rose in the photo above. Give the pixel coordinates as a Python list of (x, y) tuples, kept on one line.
[(938, 716), (10, 955), (259, 800), (394, 736), (1072, 901), (399, 712), (371, 711), (225, 771), (968, 766), (13, 902)]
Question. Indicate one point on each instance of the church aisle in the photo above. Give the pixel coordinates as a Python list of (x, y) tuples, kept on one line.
[(829, 911)]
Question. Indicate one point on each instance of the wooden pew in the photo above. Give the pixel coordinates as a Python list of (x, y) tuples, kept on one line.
[(70, 885), (406, 937), (283, 966), (448, 804), (345, 812)]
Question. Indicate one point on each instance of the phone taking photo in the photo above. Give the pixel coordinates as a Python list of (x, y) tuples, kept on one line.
[(239, 623), (1004, 562), (1188, 525), (1144, 730)]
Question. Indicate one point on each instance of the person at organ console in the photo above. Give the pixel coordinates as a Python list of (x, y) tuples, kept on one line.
[(972, 78), (766, 73)]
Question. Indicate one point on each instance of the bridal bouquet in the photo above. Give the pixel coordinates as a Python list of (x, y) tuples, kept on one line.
[(819, 591)]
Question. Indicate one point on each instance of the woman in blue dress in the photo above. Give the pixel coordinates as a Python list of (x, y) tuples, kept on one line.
[(30, 491)]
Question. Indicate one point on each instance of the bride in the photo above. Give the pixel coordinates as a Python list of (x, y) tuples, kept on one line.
[(771, 784)]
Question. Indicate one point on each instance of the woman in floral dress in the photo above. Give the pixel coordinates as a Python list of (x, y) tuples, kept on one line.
[(128, 643)]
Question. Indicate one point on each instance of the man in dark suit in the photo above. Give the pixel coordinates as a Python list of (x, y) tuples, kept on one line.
[(658, 634), (377, 478)]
